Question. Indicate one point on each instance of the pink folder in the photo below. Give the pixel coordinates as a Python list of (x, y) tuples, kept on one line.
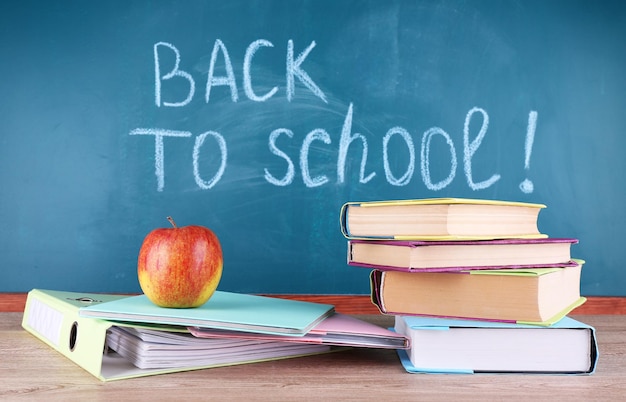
[(338, 330)]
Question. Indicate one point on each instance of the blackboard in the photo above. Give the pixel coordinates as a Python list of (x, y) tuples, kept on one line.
[(259, 119)]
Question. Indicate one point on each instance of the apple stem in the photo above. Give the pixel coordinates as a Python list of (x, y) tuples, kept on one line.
[(169, 218)]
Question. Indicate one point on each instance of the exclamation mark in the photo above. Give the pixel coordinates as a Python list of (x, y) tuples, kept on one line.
[(527, 186)]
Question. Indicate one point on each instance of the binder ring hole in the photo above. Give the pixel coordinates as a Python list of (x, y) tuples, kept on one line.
[(73, 336)]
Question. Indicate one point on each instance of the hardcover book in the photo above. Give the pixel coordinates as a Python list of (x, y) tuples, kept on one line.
[(539, 296), (464, 346), (432, 256), (440, 219)]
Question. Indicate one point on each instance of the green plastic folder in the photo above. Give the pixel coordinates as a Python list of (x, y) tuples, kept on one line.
[(224, 310), (53, 317)]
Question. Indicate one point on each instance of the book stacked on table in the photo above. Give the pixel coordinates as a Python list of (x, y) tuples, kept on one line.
[(474, 284)]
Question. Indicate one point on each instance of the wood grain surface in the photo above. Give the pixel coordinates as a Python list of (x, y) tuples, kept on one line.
[(30, 370)]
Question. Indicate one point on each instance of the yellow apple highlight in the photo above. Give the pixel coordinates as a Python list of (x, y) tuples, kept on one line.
[(180, 267)]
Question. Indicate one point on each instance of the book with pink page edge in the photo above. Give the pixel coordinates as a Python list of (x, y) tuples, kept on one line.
[(459, 255), (337, 329)]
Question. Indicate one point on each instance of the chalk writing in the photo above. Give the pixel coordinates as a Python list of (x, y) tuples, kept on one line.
[(470, 148), (527, 186), (348, 143), (409, 144), (344, 143), (426, 162), (315, 135), (247, 76), (221, 142), (159, 152), (174, 72), (228, 79), (293, 70), (289, 175)]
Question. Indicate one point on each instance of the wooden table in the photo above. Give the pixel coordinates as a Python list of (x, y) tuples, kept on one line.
[(30, 370)]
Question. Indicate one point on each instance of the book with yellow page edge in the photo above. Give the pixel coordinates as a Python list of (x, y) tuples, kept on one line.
[(539, 296), (440, 219)]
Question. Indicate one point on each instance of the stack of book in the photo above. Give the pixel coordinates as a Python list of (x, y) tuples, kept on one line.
[(116, 337), (473, 283)]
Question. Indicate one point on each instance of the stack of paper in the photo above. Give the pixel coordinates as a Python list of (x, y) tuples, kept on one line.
[(158, 349), (139, 338)]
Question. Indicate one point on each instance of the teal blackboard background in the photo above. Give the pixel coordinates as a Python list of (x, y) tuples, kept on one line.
[(77, 78)]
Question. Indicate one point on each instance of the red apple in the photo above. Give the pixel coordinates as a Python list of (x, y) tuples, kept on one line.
[(180, 267)]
